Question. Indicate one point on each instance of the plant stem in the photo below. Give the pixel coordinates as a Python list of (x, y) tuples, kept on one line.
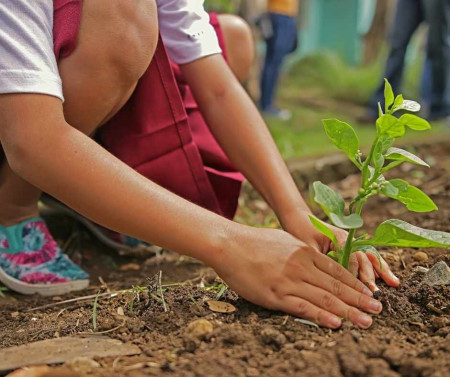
[(347, 250)]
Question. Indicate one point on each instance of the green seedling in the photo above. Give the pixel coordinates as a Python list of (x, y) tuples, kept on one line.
[(135, 295), (383, 156), (222, 290)]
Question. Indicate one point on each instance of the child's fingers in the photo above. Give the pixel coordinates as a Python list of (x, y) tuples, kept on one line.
[(339, 293), (366, 273), (301, 308), (383, 271), (330, 267), (325, 300), (353, 266)]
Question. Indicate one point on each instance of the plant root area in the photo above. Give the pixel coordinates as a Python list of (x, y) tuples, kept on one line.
[(410, 338)]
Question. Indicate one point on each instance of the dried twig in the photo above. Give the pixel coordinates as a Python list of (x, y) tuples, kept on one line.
[(77, 299)]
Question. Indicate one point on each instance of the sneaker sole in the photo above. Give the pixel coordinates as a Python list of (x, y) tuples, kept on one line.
[(42, 289)]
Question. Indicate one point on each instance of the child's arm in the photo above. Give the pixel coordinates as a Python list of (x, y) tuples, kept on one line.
[(268, 267), (241, 131)]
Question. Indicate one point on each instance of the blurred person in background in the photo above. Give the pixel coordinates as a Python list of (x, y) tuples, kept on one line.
[(435, 84), (281, 40)]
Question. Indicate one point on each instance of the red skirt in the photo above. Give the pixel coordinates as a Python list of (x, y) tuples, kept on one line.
[(160, 131)]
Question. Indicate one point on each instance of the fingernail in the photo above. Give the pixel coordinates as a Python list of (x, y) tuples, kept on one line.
[(373, 287), (364, 321), (335, 322), (391, 274), (375, 306), (367, 291)]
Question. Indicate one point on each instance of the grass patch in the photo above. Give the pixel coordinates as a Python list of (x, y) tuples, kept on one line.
[(322, 86)]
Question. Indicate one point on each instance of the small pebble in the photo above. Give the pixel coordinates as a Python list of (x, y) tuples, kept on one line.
[(200, 329), (420, 256), (275, 338), (252, 372), (439, 274), (439, 322), (421, 270)]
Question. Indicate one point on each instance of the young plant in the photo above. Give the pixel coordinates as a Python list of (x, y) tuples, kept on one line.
[(383, 156)]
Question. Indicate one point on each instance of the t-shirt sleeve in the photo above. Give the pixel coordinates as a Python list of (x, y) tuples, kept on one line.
[(27, 60), (186, 31)]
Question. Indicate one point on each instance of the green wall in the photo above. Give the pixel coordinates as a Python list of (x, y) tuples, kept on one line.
[(331, 25)]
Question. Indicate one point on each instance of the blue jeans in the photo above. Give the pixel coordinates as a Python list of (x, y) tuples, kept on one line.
[(409, 15), (282, 42)]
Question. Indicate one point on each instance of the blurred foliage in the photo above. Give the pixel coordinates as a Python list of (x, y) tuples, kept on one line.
[(349, 83), (222, 6), (328, 72), (323, 86)]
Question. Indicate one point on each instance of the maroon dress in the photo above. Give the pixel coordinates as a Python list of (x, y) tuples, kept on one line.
[(160, 131)]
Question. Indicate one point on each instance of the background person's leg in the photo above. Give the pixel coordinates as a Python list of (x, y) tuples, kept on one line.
[(268, 71), (408, 16), (437, 14), (116, 43), (278, 47)]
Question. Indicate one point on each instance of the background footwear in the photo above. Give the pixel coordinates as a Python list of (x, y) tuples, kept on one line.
[(32, 262)]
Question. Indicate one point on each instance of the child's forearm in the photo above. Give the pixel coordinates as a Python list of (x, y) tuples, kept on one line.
[(241, 131), (69, 165)]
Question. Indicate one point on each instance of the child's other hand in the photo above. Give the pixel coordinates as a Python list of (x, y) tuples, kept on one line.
[(273, 269), (366, 266)]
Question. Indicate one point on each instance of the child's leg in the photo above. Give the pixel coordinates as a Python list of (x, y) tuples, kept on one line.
[(239, 43), (116, 44), (18, 199)]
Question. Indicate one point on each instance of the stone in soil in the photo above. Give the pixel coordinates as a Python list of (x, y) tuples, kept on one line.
[(439, 274)]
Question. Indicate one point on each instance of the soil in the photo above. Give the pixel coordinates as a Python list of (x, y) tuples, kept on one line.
[(410, 338)]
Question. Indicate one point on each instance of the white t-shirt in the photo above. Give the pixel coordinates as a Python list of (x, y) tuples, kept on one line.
[(27, 59)]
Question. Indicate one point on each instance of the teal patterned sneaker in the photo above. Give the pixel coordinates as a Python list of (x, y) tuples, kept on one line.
[(32, 262)]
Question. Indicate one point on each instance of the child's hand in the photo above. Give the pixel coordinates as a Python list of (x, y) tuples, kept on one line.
[(274, 269), (366, 266)]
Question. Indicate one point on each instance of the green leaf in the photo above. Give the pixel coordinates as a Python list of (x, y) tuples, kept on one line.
[(389, 190), (388, 95), (353, 221), (414, 122), (378, 153), (333, 255), (343, 137), (414, 199), (322, 228), (368, 249), (330, 200), (388, 125), (402, 155), (408, 105), (397, 103), (399, 233), (380, 110)]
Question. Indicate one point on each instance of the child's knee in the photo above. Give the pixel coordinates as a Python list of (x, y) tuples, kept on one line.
[(239, 44)]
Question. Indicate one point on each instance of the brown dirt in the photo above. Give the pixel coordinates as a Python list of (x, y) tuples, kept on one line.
[(411, 338)]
